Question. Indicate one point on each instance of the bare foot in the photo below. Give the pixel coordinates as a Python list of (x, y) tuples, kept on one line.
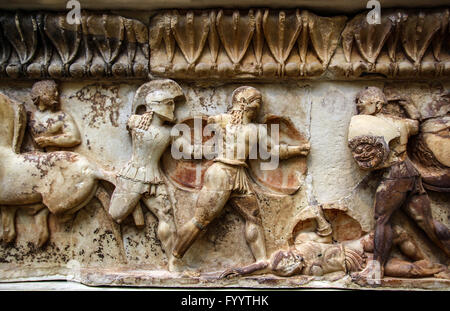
[(371, 275), (443, 275), (229, 273), (175, 264)]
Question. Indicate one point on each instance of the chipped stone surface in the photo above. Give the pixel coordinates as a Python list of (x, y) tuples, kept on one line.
[(92, 249), (102, 137)]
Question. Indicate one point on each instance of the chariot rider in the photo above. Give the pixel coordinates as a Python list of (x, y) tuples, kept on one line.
[(227, 180), (141, 178)]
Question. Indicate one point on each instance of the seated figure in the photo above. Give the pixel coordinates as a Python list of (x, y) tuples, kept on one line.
[(49, 125)]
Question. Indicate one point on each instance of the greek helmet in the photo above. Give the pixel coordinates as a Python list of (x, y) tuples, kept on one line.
[(244, 95), (158, 96)]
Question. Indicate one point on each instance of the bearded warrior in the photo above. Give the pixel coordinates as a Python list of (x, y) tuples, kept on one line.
[(226, 180)]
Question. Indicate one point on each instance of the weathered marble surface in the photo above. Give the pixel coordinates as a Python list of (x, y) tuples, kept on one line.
[(309, 60), (94, 250)]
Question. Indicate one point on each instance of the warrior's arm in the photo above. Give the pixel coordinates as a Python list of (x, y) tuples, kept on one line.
[(184, 146), (413, 127), (189, 150), (254, 268), (283, 151), (287, 151)]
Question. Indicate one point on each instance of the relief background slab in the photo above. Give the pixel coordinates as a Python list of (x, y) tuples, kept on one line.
[(312, 82), (89, 248)]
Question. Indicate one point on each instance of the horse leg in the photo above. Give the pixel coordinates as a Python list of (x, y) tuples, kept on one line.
[(8, 223), (105, 200), (42, 224)]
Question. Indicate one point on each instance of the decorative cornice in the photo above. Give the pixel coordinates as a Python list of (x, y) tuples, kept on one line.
[(259, 44), (298, 44), (42, 45)]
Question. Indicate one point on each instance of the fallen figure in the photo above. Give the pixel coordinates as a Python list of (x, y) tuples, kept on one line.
[(317, 259)]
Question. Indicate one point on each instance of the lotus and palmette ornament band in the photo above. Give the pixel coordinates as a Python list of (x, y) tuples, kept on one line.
[(262, 44)]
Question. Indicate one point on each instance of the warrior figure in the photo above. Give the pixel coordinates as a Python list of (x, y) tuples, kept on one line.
[(141, 178), (378, 140), (226, 180), (316, 258)]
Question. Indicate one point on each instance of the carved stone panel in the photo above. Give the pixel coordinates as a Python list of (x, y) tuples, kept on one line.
[(246, 147)]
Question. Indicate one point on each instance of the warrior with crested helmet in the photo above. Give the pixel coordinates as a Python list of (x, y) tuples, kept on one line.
[(141, 178)]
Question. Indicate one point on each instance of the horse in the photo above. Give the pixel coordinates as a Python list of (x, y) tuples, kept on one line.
[(59, 182)]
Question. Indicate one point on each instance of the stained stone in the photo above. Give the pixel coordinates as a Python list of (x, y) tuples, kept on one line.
[(109, 176)]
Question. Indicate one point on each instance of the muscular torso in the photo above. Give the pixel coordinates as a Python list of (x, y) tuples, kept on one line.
[(148, 145), (237, 139), (406, 128)]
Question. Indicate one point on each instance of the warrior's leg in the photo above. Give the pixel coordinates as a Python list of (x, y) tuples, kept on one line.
[(209, 205), (418, 208), (211, 199), (247, 205), (406, 244), (161, 207), (387, 200), (389, 196), (8, 223), (123, 201), (105, 199), (423, 268), (254, 234)]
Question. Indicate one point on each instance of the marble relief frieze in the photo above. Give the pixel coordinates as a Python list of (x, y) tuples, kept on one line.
[(226, 148)]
